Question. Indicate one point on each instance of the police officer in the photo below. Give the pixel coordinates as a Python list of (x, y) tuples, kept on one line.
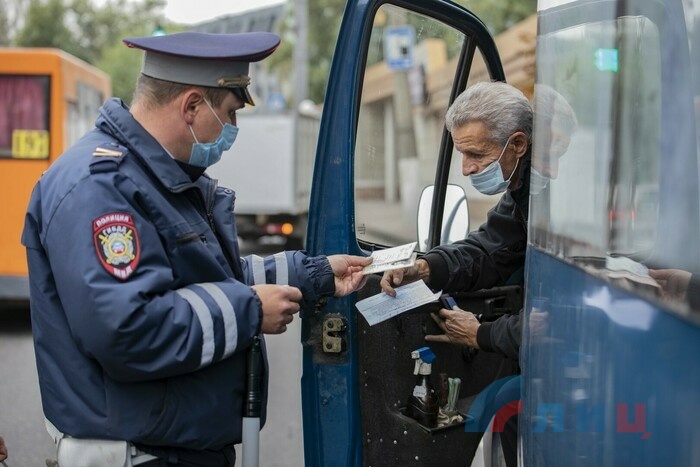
[(142, 308)]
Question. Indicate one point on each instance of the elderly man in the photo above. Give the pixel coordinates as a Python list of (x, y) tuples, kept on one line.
[(142, 308), (491, 126)]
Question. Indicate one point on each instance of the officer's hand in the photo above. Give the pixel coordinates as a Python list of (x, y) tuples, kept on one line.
[(397, 277), (279, 303), (460, 327), (3, 449), (347, 270)]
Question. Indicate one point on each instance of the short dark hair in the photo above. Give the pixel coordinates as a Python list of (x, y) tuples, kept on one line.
[(154, 92)]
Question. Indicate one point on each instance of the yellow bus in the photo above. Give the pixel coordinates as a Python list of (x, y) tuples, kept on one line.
[(48, 99)]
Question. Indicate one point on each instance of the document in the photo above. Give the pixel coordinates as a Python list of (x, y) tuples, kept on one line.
[(392, 258), (621, 267), (381, 307)]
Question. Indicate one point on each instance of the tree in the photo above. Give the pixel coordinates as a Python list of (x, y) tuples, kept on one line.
[(45, 27), (324, 23), (12, 16), (94, 33), (499, 15), (4, 29)]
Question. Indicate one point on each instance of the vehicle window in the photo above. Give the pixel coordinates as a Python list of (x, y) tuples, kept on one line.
[(603, 117), (83, 111), (24, 121), (410, 71)]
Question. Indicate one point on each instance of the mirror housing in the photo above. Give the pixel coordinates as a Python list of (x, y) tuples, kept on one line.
[(455, 216)]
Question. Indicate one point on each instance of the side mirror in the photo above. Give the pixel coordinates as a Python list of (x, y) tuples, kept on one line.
[(455, 217)]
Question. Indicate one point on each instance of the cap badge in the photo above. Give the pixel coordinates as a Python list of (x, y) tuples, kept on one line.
[(240, 81)]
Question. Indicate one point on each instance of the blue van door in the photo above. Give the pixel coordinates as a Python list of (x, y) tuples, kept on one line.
[(396, 68)]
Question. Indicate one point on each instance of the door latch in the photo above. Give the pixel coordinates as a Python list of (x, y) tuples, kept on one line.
[(334, 338)]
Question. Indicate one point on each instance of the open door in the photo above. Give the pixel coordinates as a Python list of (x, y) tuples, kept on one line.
[(396, 69)]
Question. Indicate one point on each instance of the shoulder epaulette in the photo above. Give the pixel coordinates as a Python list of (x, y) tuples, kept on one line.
[(107, 157), (107, 152)]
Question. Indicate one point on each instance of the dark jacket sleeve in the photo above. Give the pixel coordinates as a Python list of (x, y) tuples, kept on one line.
[(693, 293), (502, 336), (486, 258)]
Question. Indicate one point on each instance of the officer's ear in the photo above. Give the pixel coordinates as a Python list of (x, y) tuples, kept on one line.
[(190, 104), (519, 143)]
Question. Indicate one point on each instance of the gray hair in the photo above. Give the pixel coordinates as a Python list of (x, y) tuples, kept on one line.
[(501, 107), (553, 110)]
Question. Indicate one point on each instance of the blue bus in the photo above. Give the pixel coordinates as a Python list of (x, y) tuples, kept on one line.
[(606, 362)]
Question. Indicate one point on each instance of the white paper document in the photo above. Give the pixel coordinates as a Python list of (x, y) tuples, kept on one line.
[(392, 258), (381, 307), (625, 268)]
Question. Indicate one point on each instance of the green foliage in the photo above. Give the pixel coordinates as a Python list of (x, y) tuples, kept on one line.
[(45, 26), (324, 18), (93, 33), (4, 29), (123, 65), (499, 15), (324, 23)]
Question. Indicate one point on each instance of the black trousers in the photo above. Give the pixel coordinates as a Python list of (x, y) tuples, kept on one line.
[(509, 441), (509, 393)]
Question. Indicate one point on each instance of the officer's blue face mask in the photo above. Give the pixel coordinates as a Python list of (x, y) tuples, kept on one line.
[(490, 181), (207, 154)]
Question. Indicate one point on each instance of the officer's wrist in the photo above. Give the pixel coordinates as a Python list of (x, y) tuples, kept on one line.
[(258, 329)]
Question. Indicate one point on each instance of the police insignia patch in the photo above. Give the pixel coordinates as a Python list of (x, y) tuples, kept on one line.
[(117, 243)]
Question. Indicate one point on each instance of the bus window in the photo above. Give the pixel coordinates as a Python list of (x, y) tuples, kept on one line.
[(83, 112), (49, 99), (24, 122), (631, 154)]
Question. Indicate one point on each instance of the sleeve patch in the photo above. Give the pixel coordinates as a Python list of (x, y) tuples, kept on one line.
[(117, 243)]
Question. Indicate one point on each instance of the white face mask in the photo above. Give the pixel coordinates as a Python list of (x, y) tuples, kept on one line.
[(490, 181)]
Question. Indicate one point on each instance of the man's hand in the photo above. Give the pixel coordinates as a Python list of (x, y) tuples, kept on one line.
[(397, 277), (460, 327), (3, 449), (279, 303), (674, 282), (347, 270)]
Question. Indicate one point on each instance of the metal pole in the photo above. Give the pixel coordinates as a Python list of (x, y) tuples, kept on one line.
[(301, 54), (252, 405)]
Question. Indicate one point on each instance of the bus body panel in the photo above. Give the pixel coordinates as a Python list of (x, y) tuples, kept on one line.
[(610, 379), (68, 77)]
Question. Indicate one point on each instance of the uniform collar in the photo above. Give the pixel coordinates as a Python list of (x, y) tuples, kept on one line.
[(116, 120)]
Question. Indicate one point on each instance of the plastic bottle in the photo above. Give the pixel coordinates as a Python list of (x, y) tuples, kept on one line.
[(422, 404)]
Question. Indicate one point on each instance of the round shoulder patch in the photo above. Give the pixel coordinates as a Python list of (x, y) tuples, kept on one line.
[(117, 243)]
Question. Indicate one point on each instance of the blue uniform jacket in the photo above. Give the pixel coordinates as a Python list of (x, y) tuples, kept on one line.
[(141, 306)]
